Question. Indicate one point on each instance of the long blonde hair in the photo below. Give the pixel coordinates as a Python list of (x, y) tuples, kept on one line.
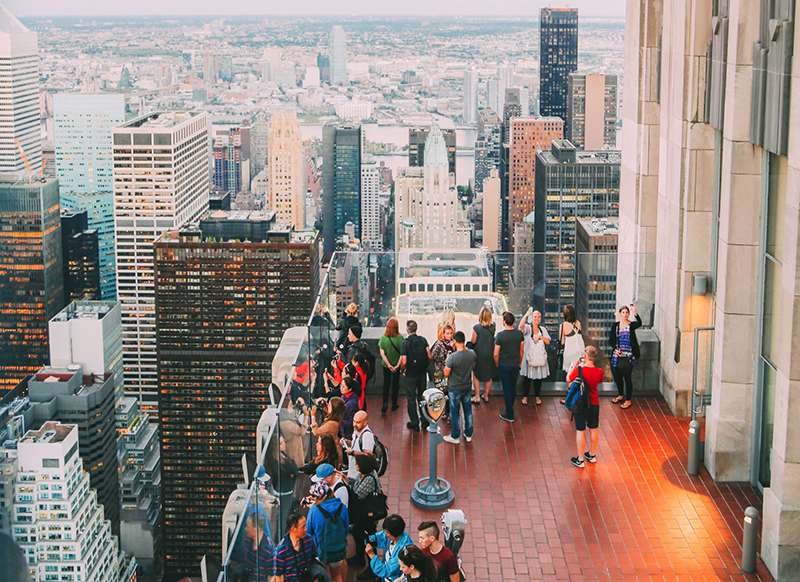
[(448, 318), (351, 309), (485, 317)]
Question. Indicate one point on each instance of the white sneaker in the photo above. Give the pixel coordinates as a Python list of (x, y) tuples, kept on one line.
[(451, 440), (469, 439)]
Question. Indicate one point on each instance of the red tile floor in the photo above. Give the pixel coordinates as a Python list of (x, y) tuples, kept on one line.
[(635, 515)]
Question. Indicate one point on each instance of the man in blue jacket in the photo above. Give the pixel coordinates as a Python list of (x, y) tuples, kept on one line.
[(392, 539)]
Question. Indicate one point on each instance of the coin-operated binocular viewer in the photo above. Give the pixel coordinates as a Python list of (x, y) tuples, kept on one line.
[(432, 492)]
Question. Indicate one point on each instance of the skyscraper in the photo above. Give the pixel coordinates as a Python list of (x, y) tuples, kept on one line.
[(58, 522), (591, 122), (570, 185), (84, 166), (228, 162), (146, 205), (337, 51), (558, 57), (222, 307), (20, 134), (80, 258), (31, 275), (371, 231), (259, 145), (487, 146), (418, 137), (341, 182), (428, 213), (492, 212), (470, 96), (286, 165), (528, 135)]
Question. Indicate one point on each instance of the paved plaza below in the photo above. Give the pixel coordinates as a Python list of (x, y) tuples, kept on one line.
[(635, 515)]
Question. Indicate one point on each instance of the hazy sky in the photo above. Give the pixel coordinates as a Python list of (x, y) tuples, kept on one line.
[(311, 7)]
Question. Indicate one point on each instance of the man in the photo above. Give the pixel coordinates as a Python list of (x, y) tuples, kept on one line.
[(458, 370), (415, 355), (363, 442), (355, 345), (259, 553), (445, 560), (509, 347), (327, 474), (296, 552), (392, 539), (592, 376)]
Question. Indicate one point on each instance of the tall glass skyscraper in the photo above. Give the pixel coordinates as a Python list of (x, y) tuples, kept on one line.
[(558, 57), (341, 181), (337, 48), (470, 96), (84, 166)]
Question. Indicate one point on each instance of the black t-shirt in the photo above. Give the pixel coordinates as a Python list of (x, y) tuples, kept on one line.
[(415, 343), (509, 341)]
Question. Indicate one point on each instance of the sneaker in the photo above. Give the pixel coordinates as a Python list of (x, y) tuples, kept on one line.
[(451, 440), (412, 426), (578, 462), (468, 438), (507, 419), (589, 457)]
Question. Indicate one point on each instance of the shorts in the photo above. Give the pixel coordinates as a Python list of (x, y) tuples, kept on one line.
[(335, 564), (590, 418)]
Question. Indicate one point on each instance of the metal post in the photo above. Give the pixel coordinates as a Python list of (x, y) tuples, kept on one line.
[(750, 542), (693, 466), (432, 492)]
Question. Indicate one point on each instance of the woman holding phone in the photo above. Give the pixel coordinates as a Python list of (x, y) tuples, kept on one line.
[(622, 338)]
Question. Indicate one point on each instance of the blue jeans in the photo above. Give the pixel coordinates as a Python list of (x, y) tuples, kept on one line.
[(457, 400), (508, 378)]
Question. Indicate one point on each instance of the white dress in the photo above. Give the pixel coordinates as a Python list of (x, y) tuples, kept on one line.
[(533, 372), (573, 348)]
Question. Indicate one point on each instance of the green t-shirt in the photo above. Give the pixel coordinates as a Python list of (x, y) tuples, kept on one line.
[(391, 347)]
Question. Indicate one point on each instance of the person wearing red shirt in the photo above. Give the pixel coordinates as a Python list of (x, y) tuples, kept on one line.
[(446, 563), (592, 376)]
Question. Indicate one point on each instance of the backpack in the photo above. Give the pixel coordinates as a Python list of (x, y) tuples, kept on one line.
[(417, 359), (350, 494), (332, 540), (379, 452), (577, 400)]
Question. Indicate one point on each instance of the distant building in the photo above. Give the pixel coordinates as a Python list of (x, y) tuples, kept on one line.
[(214, 360), (591, 122), (32, 289), (227, 152), (19, 96), (259, 143), (371, 225), (57, 511), (528, 135), (492, 218), (428, 213), (488, 146), (324, 66), (573, 184), (558, 57), (286, 166), (341, 182), (219, 201), (417, 138), (183, 197), (511, 110), (470, 96), (337, 51), (80, 257), (596, 244), (354, 110)]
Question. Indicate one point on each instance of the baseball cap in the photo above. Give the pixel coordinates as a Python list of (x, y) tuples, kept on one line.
[(324, 471)]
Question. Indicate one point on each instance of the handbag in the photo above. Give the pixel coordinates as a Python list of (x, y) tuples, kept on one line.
[(373, 507), (537, 354)]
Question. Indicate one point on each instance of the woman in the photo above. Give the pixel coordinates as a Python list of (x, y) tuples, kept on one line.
[(350, 320), (534, 365), (326, 453), (334, 413), (389, 346), (416, 566), (351, 393), (357, 371), (283, 472), (483, 346), (366, 484), (570, 339), (448, 318), (626, 352), (442, 348)]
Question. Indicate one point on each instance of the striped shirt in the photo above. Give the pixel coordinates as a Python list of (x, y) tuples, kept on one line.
[(290, 563), (259, 561)]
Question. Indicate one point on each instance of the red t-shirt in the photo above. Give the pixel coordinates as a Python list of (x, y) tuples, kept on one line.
[(592, 376), (446, 563)]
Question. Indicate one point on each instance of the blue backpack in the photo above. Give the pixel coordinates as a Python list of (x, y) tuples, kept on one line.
[(332, 540), (577, 400)]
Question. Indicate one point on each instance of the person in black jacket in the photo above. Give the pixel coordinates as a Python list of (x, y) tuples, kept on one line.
[(622, 338)]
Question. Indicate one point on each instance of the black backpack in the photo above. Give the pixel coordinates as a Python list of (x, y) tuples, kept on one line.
[(379, 451), (417, 358)]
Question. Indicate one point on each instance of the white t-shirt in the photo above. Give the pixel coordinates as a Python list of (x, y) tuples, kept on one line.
[(363, 442), (341, 492)]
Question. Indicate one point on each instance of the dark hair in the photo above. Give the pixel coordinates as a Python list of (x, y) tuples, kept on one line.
[(394, 525), (356, 330), (361, 361), (459, 337), (625, 307), (337, 410), (329, 454), (293, 520), (569, 313), (413, 556), (353, 385), (411, 326), (257, 520), (425, 525), (508, 318), (366, 463)]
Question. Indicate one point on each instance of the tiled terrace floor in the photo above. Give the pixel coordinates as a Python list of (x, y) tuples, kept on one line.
[(635, 515)]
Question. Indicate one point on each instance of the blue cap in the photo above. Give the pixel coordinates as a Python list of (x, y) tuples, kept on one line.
[(324, 471)]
